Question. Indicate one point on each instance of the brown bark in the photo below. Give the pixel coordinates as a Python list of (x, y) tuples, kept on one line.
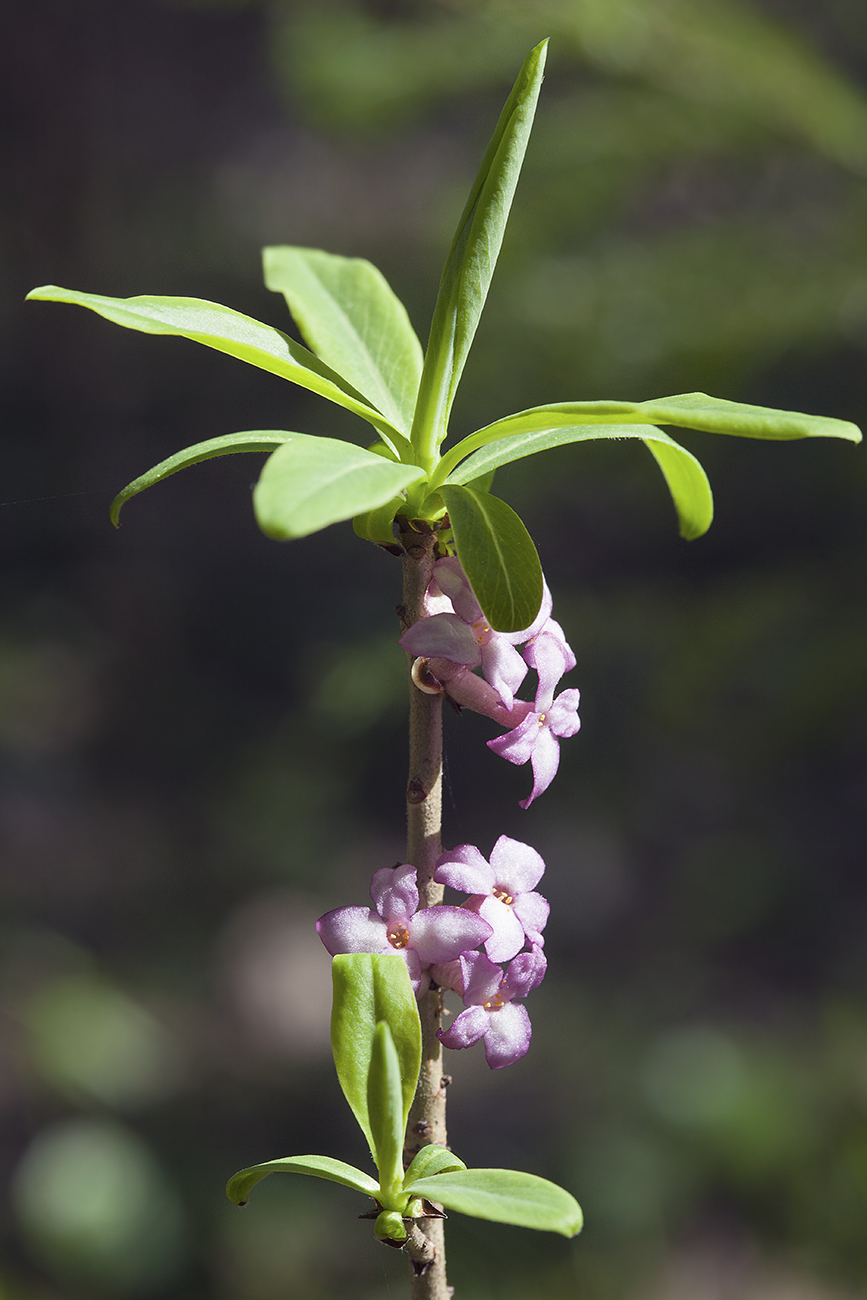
[(427, 1118)]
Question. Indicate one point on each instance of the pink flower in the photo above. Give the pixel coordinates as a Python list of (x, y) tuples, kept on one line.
[(502, 892), (394, 924), (537, 738), (456, 629), (491, 1013)]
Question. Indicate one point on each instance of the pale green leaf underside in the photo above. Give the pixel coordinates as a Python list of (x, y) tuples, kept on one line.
[(350, 317), (687, 481), (369, 987), (505, 1196), (226, 445), (498, 556), (309, 483), (239, 1186), (684, 410), (473, 256), (227, 331), (431, 1160)]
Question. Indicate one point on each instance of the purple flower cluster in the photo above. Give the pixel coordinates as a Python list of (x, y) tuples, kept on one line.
[(456, 638), (502, 913)]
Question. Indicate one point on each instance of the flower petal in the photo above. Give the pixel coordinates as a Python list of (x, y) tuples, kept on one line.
[(532, 910), (517, 867), (467, 1029), (353, 929), (394, 892), (508, 933), (525, 973), (546, 760), (563, 714), (503, 667), (440, 934), (508, 1035), (464, 868), (518, 744), (442, 636)]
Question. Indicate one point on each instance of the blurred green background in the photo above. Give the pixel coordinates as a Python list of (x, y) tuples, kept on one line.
[(201, 732)]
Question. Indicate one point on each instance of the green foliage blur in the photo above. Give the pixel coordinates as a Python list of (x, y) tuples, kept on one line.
[(201, 731)]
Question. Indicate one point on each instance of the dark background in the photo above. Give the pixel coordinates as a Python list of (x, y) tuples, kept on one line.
[(201, 731)]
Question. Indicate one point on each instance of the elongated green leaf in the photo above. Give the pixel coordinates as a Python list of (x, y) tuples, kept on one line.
[(473, 256), (239, 1185), (369, 987), (431, 1160), (350, 317), (310, 482), (505, 1196), (385, 1107), (684, 410), (498, 556), (685, 477), (228, 331), (226, 445)]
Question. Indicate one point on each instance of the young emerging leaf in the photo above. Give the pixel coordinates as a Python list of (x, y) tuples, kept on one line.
[(685, 477), (228, 331), (369, 987), (498, 556), (504, 1196), (385, 1108), (310, 482), (431, 1160), (470, 264), (350, 317), (239, 1185), (260, 440)]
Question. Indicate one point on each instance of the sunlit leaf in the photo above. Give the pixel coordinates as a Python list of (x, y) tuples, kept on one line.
[(473, 256), (385, 1107), (505, 1196), (498, 556), (431, 1160), (226, 445), (310, 482), (685, 477), (369, 987), (350, 317), (239, 1185), (227, 331)]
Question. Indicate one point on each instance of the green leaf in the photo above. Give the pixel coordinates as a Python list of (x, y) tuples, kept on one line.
[(350, 317), (685, 477), (431, 1160), (684, 410), (498, 556), (385, 1108), (310, 482), (228, 331), (472, 258), (226, 445), (505, 1196), (368, 988), (239, 1185)]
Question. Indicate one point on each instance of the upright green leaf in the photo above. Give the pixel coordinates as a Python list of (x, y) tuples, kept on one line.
[(226, 445), (687, 481), (430, 1160), (350, 317), (472, 258), (309, 483), (369, 987), (498, 556), (385, 1108), (228, 331), (239, 1186), (505, 1196)]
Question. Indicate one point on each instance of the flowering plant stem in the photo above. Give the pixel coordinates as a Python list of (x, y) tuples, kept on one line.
[(427, 1118)]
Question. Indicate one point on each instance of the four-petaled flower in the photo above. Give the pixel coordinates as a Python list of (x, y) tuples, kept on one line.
[(502, 892), (537, 738), (394, 924), (491, 1012)]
